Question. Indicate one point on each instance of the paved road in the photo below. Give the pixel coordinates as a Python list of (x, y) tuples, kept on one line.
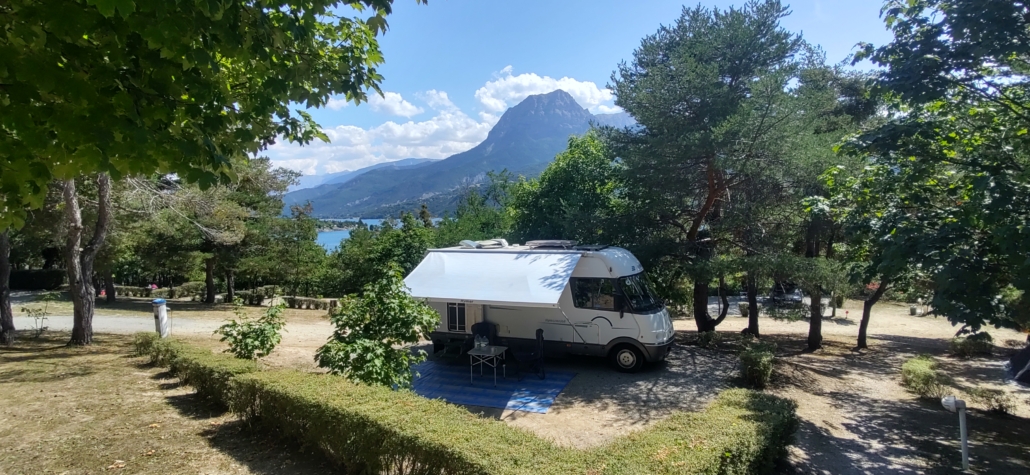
[(123, 324)]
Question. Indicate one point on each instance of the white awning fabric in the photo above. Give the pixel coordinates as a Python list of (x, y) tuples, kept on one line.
[(527, 279)]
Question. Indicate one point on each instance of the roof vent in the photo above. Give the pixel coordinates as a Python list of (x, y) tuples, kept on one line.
[(551, 244), (493, 244), (470, 244)]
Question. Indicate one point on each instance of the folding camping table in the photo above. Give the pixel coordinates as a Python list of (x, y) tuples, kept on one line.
[(489, 355)]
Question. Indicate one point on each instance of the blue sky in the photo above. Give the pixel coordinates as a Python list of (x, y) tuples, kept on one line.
[(453, 66)]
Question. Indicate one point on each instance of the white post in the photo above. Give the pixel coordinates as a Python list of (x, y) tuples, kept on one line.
[(953, 404), (965, 438), (162, 324)]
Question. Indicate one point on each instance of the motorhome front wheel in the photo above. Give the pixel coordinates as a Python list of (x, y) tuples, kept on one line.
[(627, 359)]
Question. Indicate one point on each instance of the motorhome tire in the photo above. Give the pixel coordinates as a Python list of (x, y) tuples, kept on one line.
[(627, 358)]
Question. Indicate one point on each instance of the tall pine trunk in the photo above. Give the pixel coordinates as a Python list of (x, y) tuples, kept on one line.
[(701, 318), (6, 315), (752, 304), (79, 260), (209, 279), (109, 288), (867, 309), (815, 326), (230, 286)]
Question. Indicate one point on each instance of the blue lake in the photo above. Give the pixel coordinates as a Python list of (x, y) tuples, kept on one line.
[(332, 239)]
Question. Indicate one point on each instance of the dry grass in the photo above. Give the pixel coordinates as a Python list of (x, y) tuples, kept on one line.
[(98, 410)]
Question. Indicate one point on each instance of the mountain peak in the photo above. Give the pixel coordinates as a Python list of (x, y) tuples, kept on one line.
[(555, 111)]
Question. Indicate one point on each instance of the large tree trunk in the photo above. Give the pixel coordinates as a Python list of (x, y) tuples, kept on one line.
[(6, 315), (815, 326), (701, 318), (79, 260), (209, 279), (867, 309), (230, 286), (752, 305), (109, 288)]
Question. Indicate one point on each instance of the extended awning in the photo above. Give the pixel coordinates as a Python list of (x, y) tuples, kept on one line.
[(527, 279)]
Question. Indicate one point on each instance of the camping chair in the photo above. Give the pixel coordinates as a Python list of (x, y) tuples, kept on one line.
[(530, 357), (487, 329)]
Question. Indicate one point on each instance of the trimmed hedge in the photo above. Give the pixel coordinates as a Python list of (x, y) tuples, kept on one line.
[(977, 344), (309, 303), (371, 429), (209, 373), (37, 279), (756, 364), (921, 376)]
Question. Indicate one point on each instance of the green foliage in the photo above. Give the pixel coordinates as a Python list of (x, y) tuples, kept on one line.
[(369, 329), (37, 279), (922, 376), (310, 304), (709, 339), (744, 308), (363, 258), (574, 198), (210, 83), (756, 364), (251, 339), (209, 373), (977, 344), (481, 214), (993, 400), (946, 187)]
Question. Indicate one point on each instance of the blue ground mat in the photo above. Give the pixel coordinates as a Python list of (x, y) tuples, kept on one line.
[(451, 383)]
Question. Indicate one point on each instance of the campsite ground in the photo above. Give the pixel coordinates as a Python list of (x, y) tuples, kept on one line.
[(78, 410)]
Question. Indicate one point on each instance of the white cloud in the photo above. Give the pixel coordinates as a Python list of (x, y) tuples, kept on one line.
[(603, 109), (392, 103), (337, 103), (448, 132), (507, 90), (451, 131)]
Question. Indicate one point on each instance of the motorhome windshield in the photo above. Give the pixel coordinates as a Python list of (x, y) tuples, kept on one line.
[(639, 295)]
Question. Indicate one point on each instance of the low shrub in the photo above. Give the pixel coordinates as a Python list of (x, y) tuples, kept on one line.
[(740, 432), (197, 291), (756, 364), (373, 429), (743, 307), (977, 344), (309, 303), (709, 339), (209, 373), (130, 291), (250, 297), (922, 376), (253, 338), (993, 400), (37, 279)]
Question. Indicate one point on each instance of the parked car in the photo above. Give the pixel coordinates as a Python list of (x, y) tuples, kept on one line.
[(785, 294)]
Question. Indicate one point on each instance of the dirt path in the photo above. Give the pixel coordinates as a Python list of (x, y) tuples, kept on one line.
[(856, 417)]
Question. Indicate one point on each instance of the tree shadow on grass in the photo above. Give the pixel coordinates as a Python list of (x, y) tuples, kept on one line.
[(260, 451)]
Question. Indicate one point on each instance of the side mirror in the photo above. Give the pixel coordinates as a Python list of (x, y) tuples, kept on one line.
[(620, 304)]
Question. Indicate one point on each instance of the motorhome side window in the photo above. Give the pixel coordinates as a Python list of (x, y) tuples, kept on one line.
[(597, 294), (455, 317)]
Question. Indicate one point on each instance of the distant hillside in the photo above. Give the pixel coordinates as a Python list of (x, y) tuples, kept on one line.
[(312, 181), (524, 141), (617, 120)]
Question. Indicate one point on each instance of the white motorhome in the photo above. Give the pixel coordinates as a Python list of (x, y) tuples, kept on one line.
[(588, 300)]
